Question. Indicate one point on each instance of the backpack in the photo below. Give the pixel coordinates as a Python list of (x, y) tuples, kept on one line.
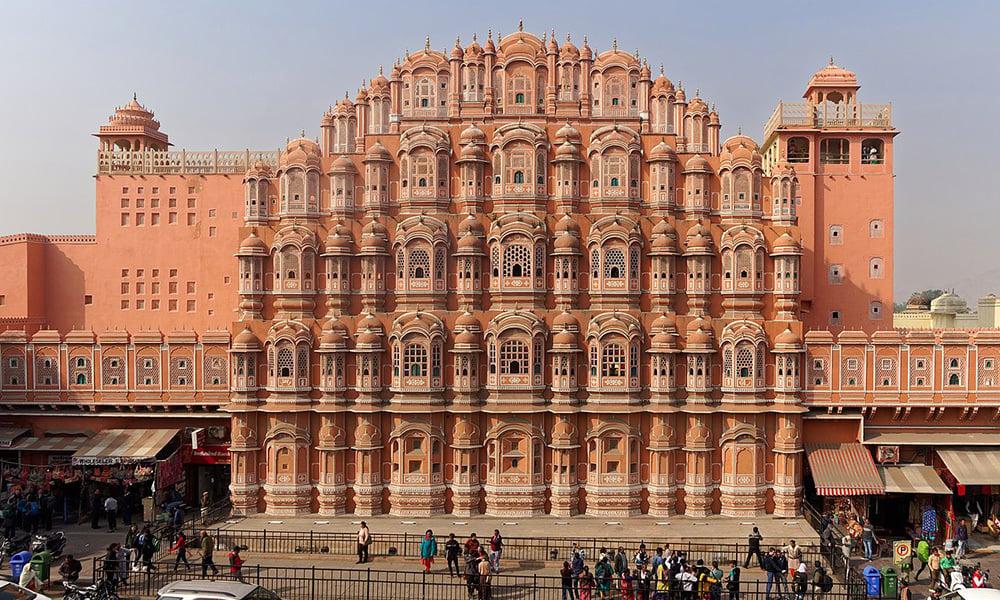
[(825, 581), (33, 509)]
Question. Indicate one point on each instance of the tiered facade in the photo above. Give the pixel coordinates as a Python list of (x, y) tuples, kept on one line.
[(513, 279)]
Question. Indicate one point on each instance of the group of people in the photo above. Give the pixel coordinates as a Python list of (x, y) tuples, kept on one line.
[(30, 511), (942, 562)]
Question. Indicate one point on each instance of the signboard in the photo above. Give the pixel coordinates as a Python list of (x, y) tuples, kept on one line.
[(901, 551), (198, 438), (207, 455)]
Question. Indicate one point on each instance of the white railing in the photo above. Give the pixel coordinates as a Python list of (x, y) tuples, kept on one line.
[(828, 114), (157, 162)]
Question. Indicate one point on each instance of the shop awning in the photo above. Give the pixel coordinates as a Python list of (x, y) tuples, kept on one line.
[(843, 470), (970, 437), (912, 479), (980, 466), (9, 434), (123, 446), (69, 443)]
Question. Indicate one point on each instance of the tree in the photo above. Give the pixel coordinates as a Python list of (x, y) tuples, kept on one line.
[(918, 299)]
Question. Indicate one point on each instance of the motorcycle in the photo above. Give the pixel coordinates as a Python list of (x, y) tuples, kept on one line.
[(54, 543), (102, 590), (954, 581), (11, 546)]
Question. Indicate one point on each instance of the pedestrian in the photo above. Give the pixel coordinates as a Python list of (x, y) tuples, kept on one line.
[(947, 566), (204, 507), (781, 562), (428, 548), (207, 555), (180, 545), (111, 511), (715, 587), (934, 563), (793, 552), (566, 579), (453, 550), (178, 517), (641, 557), (753, 548), (603, 573), (656, 561), (9, 514), (236, 564), (643, 582), (124, 563), (96, 502), (923, 553), (962, 537), (70, 569), (587, 584), (110, 566), (733, 581), (625, 584), (800, 582), (125, 506), (846, 543), (485, 576), (472, 544), (662, 578), (773, 573), (868, 539), (148, 545), (979, 577), (33, 511), (576, 566), (364, 541), (821, 580), (471, 572), (48, 504), (496, 548), (688, 580), (621, 561)]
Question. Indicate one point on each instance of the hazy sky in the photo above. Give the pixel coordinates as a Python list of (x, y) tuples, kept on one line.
[(250, 74)]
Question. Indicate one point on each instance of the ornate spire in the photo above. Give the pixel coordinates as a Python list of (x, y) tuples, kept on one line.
[(831, 60), (473, 37), (427, 43), (661, 69), (520, 24), (567, 38), (380, 69), (614, 44)]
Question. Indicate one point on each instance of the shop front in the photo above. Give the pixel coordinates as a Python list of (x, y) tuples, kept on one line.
[(916, 504), (207, 470), (141, 467), (843, 479), (974, 475)]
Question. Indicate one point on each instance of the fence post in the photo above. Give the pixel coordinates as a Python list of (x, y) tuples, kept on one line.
[(402, 551), (312, 548), (368, 584), (423, 585), (534, 585), (264, 543), (312, 584)]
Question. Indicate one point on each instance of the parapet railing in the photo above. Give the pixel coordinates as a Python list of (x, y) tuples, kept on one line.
[(181, 162), (828, 114)]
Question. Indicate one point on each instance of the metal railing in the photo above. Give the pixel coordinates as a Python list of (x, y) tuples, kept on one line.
[(319, 583)]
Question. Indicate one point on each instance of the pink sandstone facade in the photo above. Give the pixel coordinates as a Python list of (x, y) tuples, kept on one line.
[(514, 279)]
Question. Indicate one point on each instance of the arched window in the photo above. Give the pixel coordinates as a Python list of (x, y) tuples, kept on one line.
[(612, 360), (798, 150), (614, 263), (519, 98), (835, 151), (953, 379), (81, 379), (514, 357), (744, 362), (516, 261), (871, 152), (415, 360), (285, 362), (420, 264), (518, 176)]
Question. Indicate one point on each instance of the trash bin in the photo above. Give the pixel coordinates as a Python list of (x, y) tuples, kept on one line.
[(17, 563), (890, 582), (41, 563), (873, 581)]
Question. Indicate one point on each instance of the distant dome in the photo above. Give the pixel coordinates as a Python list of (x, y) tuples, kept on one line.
[(918, 303), (833, 76), (301, 152), (568, 133), (473, 135), (661, 152), (253, 245), (949, 303), (379, 153), (698, 164)]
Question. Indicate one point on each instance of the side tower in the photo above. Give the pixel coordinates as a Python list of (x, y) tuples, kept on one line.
[(841, 153), (133, 128)]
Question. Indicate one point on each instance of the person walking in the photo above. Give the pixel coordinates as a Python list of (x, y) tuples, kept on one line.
[(125, 506), (207, 555), (753, 548), (733, 581), (868, 539), (453, 550), (934, 563), (236, 564), (485, 576), (148, 545), (496, 549), (428, 548), (923, 553), (364, 540), (111, 511), (576, 566), (821, 580), (962, 537), (603, 573), (773, 573), (180, 546)]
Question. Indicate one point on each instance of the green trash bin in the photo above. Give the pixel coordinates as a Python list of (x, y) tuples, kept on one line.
[(41, 563), (890, 582)]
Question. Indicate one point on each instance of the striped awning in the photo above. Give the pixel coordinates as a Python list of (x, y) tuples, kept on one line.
[(912, 479), (9, 434), (66, 443), (123, 446), (980, 466), (843, 470)]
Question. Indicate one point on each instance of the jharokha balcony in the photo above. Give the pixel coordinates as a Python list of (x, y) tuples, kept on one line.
[(160, 162)]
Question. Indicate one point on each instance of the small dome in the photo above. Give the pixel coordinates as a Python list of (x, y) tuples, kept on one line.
[(253, 245), (473, 152), (362, 96), (568, 225), (918, 302), (339, 238), (585, 52), (663, 322), (787, 339), (698, 237), (258, 170), (565, 320), (832, 75), (367, 435), (697, 106), (564, 434), (699, 339), (569, 50), (713, 117), (465, 432), (949, 303), (369, 339), (680, 97), (567, 241), (246, 340), (473, 52), (343, 165), (344, 107), (374, 236), (473, 135), (379, 85), (786, 241), (663, 339), (333, 339), (470, 242), (378, 153), (467, 339), (567, 151), (662, 86), (644, 72), (331, 435), (470, 225), (661, 435), (661, 152), (564, 339), (467, 320), (568, 133), (697, 164), (301, 152), (456, 52)]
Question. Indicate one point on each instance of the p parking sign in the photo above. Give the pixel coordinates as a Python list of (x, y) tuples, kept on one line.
[(902, 550)]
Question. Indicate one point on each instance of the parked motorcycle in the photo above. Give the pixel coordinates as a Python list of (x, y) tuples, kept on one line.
[(54, 543), (11, 546), (102, 590)]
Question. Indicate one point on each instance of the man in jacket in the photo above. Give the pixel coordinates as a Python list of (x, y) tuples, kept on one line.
[(753, 548), (207, 552), (496, 549), (772, 570)]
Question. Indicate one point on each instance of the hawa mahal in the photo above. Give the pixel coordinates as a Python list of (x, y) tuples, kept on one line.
[(514, 278)]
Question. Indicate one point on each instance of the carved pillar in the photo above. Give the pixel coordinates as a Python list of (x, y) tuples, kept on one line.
[(331, 486), (662, 484), (465, 483), (788, 454), (367, 483), (698, 447), (244, 490)]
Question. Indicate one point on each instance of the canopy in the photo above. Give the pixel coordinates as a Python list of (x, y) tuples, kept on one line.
[(9, 434), (932, 437), (843, 470), (69, 443), (912, 479), (123, 446), (980, 466)]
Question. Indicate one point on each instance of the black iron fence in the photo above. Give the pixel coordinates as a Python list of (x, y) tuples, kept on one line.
[(317, 583), (518, 549)]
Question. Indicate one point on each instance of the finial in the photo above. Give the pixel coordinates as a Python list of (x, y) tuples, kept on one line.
[(489, 33), (458, 40), (520, 24), (614, 44), (567, 38), (407, 54), (831, 60), (380, 69), (545, 37), (553, 34), (499, 35), (427, 43), (345, 95), (739, 130), (696, 92), (661, 69), (303, 133), (637, 54), (134, 98), (680, 84), (585, 39), (713, 107)]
